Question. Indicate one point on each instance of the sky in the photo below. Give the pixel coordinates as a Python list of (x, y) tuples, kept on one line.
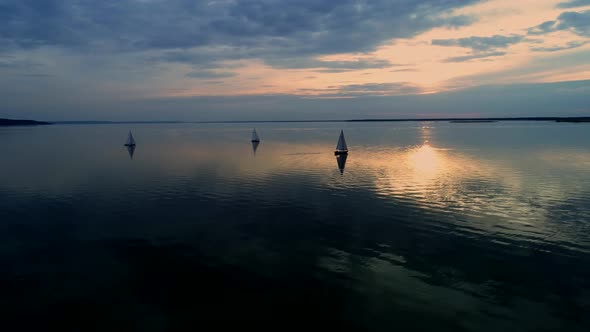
[(293, 59)]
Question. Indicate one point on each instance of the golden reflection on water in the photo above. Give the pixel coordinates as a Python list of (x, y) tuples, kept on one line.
[(425, 161), (494, 196), (425, 171)]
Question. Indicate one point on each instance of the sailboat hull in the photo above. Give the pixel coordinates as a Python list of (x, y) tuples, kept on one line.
[(340, 152), (129, 144)]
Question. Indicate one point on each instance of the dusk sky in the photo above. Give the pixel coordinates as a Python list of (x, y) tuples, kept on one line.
[(293, 59)]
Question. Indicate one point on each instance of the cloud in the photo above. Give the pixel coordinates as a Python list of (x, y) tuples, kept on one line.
[(15, 63), (210, 58), (568, 46), (215, 82), (381, 88), (206, 74), (254, 28), (576, 22), (573, 3), (328, 66), (480, 43), (363, 90), (404, 70), (474, 56), (36, 75)]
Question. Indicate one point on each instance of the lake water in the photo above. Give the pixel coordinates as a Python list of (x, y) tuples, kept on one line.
[(425, 226)]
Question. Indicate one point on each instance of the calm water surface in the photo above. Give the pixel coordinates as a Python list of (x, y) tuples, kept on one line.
[(424, 226)]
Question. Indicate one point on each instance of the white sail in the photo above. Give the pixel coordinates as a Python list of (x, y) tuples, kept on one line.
[(130, 140), (255, 137), (341, 143)]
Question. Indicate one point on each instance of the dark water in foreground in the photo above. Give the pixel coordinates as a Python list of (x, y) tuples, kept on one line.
[(430, 226)]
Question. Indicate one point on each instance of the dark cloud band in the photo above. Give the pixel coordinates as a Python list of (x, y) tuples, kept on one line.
[(262, 29)]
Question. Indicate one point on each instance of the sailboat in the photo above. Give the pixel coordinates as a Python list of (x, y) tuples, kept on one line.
[(341, 147), (130, 140), (255, 137)]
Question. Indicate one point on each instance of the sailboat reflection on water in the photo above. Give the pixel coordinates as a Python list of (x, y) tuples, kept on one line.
[(255, 146), (341, 160), (130, 150)]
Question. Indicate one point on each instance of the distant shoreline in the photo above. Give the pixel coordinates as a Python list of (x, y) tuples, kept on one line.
[(479, 120), (11, 122), (472, 121), (581, 119), (573, 120), (451, 120)]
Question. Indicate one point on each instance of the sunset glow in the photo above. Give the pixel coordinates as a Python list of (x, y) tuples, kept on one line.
[(422, 64), (116, 59)]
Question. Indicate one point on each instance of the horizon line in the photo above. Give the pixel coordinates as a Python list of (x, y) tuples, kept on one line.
[(525, 118)]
